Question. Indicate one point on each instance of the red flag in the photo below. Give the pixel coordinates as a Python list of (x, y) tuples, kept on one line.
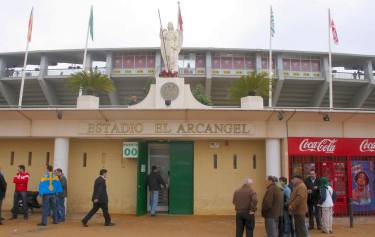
[(180, 22), (30, 26), (334, 33)]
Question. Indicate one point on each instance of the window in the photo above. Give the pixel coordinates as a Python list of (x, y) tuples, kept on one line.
[(47, 158), (29, 160), (84, 159), (235, 161), (12, 158), (215, 161), (254, 161)]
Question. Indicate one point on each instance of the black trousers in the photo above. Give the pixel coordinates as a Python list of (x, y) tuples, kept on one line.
[(299, 226), (1, 203), (95, 208), (16, 197), (314, 211), (244, 220)]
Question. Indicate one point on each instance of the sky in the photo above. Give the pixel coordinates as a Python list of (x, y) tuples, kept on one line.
[(300, 24)]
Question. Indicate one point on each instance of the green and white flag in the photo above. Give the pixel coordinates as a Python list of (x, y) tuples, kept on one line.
[(91, 24), (272, 24)]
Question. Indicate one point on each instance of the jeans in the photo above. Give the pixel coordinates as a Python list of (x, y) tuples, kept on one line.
[(16, 197), (60, 209), (1, 203), (244, 220), (300, 226), (287, 224), (49, 207), (272, 227), (95, 208), (314, 211), (154, 200)]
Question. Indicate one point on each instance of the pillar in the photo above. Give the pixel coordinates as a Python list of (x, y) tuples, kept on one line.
[(158, 63), (258, 63), (2, 67), (273, 157), (61, 158), (208, 82)]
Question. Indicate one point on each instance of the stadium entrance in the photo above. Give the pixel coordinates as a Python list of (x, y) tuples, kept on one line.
[(175, 162)]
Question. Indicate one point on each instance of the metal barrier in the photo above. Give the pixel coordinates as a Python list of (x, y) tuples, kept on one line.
[(349, 75)]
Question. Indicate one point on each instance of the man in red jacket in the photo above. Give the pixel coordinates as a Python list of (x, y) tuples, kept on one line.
[(21, 179)]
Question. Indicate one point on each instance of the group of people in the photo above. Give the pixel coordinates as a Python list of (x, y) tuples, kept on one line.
[(284, 206), (52, 188)]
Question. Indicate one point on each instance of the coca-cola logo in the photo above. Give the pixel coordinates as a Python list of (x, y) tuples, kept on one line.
[(324, 145), (367, 146)]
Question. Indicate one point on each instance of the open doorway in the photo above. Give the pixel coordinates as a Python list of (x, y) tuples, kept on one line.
[(158, 154)]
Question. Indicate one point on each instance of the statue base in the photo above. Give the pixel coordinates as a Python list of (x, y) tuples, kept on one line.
[(170, 93)]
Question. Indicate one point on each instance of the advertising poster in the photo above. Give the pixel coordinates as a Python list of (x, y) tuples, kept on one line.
[(363, 181)]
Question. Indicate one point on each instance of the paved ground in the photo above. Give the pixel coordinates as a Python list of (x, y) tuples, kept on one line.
[(161, 226)]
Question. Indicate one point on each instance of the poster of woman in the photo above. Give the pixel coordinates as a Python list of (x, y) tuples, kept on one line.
[(363, 174)]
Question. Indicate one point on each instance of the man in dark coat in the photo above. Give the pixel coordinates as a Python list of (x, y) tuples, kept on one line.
[(272, 207), (3, 189), (100, 200), (154, 182), (312, 184)]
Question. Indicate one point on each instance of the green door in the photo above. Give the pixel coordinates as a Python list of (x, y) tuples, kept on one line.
[(181, 178), (142, 179)]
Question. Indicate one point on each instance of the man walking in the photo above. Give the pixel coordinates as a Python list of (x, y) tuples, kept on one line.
[(287, 226), (99, 200), (272, 207), (298, 206), (245, 203), (312, 184), (154, 181), (3, 189), (61, 197), (49, 187), (20, 180)]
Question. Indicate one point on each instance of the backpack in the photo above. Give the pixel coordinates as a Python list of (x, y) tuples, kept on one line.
[(323, 195), (334, 196)]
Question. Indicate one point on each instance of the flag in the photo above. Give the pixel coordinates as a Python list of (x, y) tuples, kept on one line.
[(91, 24), (30, 28), (334, 33), (272, 24), (180, 22), (49, 184)]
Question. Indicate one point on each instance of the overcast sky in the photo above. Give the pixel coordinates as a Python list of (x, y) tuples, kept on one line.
[(300, 24)]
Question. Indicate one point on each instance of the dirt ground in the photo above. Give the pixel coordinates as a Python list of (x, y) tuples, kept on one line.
[(161, 226)]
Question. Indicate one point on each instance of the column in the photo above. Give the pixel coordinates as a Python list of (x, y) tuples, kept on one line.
[(88, 65), (208, 82), (273, 159), (2, 67), (369, 71), (61, 158), (157, 63)]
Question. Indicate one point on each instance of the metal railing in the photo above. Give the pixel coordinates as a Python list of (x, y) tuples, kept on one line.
[(72, 70), (17, 73), (349, 75)]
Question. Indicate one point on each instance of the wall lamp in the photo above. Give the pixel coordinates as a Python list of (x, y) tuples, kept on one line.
[(59, 114), (280, 115), (326, 118)]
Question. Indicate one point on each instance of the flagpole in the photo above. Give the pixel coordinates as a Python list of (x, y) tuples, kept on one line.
[(85, 51), (25, 62), (270, 65), (330, 61)]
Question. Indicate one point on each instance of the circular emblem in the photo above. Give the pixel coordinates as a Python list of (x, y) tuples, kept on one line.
[(169, 91)]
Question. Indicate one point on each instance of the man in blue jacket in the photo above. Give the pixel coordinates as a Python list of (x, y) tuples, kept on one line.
[(49, 187)]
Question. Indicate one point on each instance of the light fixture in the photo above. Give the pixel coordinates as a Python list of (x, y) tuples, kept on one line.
[(59, 115), (167, 102), (280, 115), (326, 118)]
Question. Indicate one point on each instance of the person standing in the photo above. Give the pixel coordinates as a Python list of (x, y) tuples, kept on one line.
[(287, 226), (298, 206), (49, 187), (61, 197), (154, 182), (99, 200), (245, 203), (312, 184), (3, 189), (272, 207), (21, 181), (326, 201)]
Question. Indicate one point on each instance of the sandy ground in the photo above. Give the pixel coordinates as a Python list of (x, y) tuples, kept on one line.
[(161, 226)]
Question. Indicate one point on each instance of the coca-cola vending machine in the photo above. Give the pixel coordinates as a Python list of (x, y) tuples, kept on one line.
[(349, 164)]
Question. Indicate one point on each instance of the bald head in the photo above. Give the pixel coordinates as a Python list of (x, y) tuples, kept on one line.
[(248, 181)]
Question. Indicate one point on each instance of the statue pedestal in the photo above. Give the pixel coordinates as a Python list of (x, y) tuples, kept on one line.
[(170, 93)]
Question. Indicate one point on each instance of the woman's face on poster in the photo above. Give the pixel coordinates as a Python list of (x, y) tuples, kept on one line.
[(362, 181)]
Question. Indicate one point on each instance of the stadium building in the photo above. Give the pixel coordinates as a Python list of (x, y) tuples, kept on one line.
[(204, 152)]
